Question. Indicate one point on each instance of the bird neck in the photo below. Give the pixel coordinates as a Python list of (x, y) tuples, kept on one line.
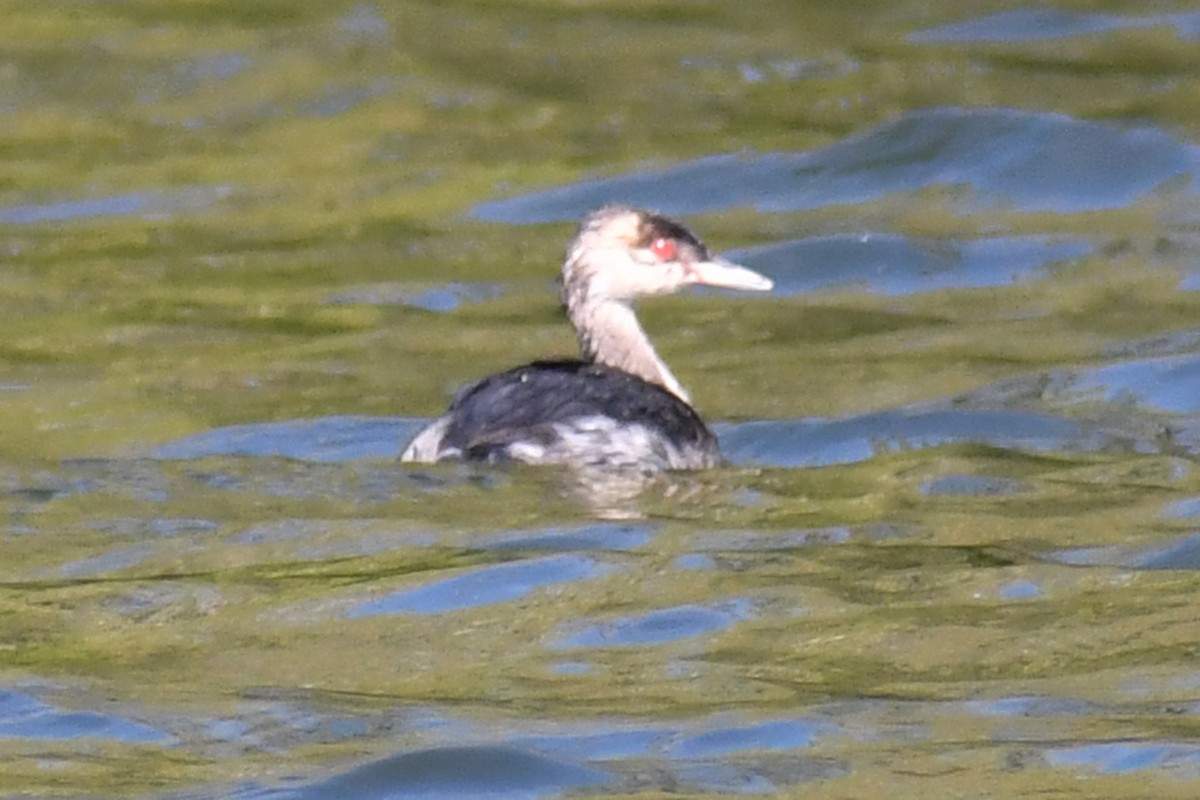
[(609, 334)]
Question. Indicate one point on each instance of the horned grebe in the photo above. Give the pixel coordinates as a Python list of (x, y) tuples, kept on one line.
[(619, 406)]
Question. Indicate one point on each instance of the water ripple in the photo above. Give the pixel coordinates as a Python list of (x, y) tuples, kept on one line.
[(890, 264), (1120, 757), (149, 204), (454, 772), (1032, 24), (22, 716), (1032, 161), (491, 584), (821, 442), (1181, 553), (659, 626)]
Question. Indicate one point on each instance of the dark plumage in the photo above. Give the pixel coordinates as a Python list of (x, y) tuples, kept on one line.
[(620, 406), (537, 401)]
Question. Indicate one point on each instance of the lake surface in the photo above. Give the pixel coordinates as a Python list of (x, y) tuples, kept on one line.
[(248, 249)]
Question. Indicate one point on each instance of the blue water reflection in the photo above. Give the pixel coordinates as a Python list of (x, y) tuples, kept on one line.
[(1032, 24), (1182, 758), (1180, 553), (144, 203), (819, 442), (784, 734), (659, 626), (491, 584), (23, 716), (1031, 161), (504, 773), (1169, 384), (325, 439), (889, 264)]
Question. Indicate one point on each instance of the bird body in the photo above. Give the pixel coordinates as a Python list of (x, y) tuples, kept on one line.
[(620, 406), (569, 412)]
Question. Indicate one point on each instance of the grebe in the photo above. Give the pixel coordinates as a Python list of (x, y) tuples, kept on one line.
[(619, 406)]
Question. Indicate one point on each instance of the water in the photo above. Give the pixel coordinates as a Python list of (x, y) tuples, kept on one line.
[(249, 249)]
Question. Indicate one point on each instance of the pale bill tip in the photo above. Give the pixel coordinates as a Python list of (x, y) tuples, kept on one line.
[(728, 275)]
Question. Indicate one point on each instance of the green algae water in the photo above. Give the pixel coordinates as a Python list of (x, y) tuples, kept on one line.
[(246, 250)]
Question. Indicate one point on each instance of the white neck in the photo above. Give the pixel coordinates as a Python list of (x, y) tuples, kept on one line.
[(609, 334)]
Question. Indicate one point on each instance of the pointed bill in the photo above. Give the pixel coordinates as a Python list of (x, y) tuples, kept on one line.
[(727, 275)]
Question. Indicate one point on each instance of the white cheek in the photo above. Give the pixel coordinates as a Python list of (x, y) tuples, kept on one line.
[(670, 277), (656, 278), (622, 282), (628, 279), (609, 284)]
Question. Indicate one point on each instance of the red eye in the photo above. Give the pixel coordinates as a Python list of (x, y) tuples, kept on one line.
[(664, 249)]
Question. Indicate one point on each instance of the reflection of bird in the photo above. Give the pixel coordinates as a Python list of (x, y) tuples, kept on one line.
[(620, 405)]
